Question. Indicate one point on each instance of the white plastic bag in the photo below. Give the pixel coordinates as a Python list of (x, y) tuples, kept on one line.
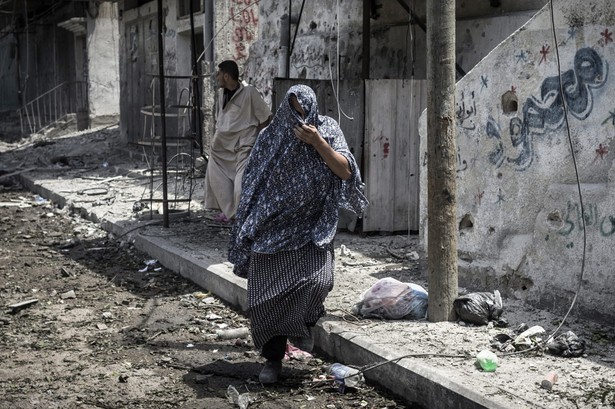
[(389, 298)]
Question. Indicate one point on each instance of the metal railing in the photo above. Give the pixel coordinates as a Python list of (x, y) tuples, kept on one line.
[(69, 97)]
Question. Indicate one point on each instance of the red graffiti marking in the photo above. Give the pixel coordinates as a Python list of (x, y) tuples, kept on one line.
[(385, 148), (602, 151), (544, 52), (245, 20), (606, 36), (513, 89)]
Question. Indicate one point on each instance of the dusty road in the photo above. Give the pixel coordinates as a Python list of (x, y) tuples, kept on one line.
[(112, 329)]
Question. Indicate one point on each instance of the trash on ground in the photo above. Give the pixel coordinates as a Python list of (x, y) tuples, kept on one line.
[(242, 400), (480, 308), (292, 352), (231, 333), (68, 294), (549, 380), (14, 308), (344, 251), (520, 339), (487, 360), (38, 200), (149, 265), (345, 376), (389, 298), (566, 345), (528, 338)]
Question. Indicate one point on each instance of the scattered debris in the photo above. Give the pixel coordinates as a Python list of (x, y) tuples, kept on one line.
[(344, 251), (66, 273), (295, 353), (528, 338), (549, 380), (242, 332), (68, 294), (566, 345), (15, 308), (150, 265), (242, 400)]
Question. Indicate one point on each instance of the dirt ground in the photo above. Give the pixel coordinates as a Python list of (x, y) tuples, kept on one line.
[(112, 329), (143, 337)]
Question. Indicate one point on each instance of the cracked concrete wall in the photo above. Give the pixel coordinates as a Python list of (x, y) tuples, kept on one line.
[(521, 227), (327, 50), (103, 65)]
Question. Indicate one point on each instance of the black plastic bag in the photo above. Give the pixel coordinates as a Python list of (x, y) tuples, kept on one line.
[(479, 308), (566, 345)]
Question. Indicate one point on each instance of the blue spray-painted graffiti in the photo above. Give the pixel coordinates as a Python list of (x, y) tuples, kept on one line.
[(592, 218), (545, 113)]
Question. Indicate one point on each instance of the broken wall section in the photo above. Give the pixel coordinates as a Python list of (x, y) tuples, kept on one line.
[(524, 228)]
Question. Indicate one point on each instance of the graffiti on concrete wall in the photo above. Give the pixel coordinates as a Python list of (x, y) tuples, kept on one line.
[(466, 111), (244, 15), (604, 223), (545, 112)]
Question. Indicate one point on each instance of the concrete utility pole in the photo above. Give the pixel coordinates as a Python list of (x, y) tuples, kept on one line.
[(441, 160)]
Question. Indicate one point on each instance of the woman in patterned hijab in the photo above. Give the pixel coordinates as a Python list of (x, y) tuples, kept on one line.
[(299, 174)]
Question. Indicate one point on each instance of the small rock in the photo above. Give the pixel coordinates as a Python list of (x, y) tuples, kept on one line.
[(65, 272), (68, 294), (101, 326)]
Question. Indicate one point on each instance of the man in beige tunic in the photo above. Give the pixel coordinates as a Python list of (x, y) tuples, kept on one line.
[(242, 113)]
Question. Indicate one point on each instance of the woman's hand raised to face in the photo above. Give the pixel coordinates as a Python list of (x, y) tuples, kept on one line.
[(308, 134)]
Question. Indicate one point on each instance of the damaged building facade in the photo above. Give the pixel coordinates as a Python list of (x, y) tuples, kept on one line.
[(59, 63), (522, 228), (535, 190), (322, 44)]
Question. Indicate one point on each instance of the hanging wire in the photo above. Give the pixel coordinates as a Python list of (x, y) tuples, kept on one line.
[(576, 172), (336, 85)]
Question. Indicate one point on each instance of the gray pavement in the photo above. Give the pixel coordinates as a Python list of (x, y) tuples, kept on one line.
[(431, 364)]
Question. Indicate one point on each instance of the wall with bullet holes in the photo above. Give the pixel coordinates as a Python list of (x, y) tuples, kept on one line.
[(535, 181)]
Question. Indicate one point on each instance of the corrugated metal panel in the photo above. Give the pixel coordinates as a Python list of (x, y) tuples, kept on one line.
[(392, 110)]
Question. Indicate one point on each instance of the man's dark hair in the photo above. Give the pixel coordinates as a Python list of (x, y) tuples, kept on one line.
[(230, 67)]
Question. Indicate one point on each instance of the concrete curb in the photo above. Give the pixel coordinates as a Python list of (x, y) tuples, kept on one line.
[(410, 380)]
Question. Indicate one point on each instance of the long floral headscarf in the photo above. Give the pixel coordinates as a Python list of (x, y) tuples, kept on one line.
[(289, 195)]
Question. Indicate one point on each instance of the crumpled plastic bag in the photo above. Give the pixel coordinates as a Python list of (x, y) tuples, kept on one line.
[(566, 345), (389, 298), (520, 339), (242, 400), (479, 308)]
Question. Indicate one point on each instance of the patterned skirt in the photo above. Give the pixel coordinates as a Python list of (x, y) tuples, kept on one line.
[(287, 290)]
